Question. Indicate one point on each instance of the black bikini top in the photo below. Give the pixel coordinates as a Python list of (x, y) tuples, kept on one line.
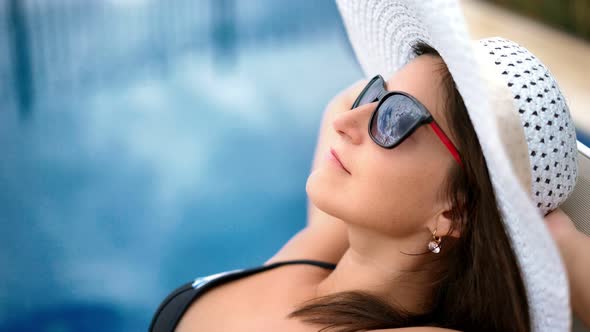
[(178, 301)]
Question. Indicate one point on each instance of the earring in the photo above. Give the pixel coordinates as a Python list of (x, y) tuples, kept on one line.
[(434, 244)]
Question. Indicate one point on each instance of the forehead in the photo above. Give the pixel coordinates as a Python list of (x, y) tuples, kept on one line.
[(422, 78)]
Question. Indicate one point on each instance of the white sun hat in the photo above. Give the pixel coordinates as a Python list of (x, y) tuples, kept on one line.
[(519, 114)]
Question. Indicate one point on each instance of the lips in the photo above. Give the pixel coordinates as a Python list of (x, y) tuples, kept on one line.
[(333, 152)]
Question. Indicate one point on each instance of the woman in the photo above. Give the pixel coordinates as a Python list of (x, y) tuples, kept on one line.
[(416, 223)]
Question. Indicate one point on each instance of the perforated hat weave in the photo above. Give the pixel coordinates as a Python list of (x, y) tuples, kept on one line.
[(546, 120), (520, 117)]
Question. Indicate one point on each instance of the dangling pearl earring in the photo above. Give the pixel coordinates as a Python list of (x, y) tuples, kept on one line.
[(434, 244)]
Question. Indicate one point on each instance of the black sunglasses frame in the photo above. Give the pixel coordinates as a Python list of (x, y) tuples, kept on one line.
[(426, 117)]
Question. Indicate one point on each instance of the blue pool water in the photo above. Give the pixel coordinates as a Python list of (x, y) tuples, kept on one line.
[(139, 166), (154, 142)]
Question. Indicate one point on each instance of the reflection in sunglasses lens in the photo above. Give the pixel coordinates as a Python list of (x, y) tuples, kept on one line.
[(396, 116)]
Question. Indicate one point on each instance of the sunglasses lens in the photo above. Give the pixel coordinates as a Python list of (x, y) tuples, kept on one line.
[(371, 92), (396, 118)]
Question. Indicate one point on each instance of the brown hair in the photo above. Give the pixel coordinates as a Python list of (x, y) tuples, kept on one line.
[(480, 287)]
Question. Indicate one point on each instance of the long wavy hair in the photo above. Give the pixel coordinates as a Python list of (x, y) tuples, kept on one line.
[(480, 287)]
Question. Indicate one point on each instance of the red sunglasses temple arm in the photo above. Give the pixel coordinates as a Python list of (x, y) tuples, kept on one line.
[(446, 141)]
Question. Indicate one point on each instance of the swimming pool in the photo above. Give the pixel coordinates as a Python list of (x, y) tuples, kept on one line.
[(159, 143), (139, 167)]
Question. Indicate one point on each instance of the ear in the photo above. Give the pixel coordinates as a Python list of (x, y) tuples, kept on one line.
[(444, 224)]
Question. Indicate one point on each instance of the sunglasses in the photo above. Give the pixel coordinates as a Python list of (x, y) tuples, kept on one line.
[(397, 116)]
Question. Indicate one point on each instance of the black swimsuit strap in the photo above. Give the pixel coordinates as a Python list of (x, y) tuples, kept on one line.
[(325, 265), (175, 305)]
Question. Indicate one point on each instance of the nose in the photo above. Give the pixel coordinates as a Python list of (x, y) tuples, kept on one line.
[(352, 125)]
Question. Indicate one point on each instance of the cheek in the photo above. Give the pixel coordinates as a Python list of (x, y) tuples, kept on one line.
[(400, 197), (393, 192)]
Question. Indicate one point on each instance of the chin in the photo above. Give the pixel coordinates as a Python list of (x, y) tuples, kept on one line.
[(324, 192)]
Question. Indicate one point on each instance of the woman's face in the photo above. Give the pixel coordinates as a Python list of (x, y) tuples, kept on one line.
[(396, 191)]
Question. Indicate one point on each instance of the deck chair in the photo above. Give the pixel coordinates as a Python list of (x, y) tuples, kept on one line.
[(577, 206)]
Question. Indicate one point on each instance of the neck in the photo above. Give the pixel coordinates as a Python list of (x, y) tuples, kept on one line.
[(385, 267)]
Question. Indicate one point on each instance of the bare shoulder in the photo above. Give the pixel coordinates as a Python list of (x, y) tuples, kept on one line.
[(416, 329)]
